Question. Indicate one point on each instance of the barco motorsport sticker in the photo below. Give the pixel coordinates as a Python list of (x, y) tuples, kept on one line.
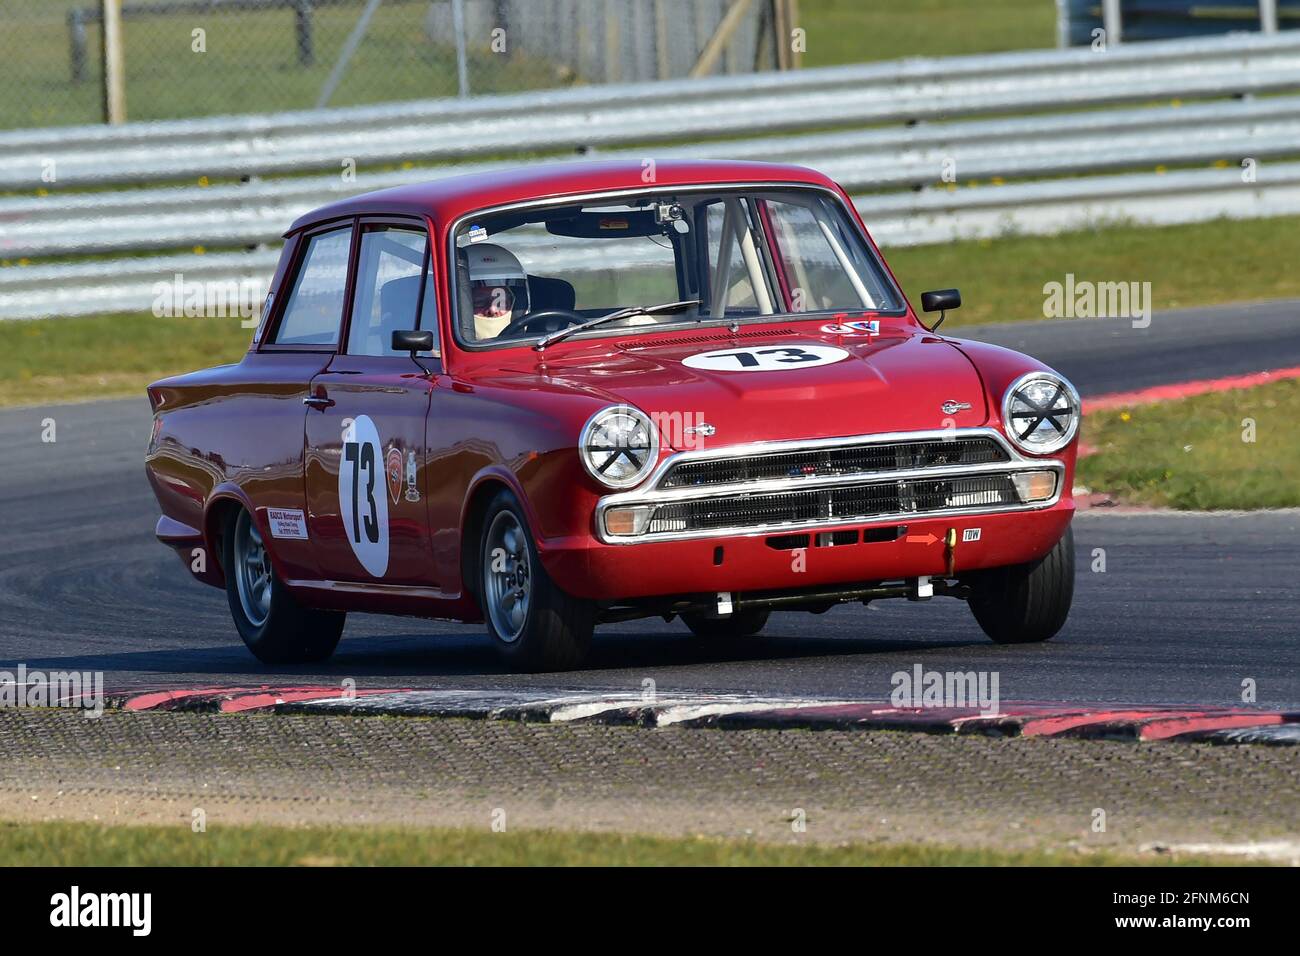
[(767, 358), (286, 523), (362, 502)]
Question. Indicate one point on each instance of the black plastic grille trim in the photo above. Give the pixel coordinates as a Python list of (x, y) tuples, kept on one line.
[(835, 461)]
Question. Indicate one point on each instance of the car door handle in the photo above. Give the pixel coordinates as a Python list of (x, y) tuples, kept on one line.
[(318, 401)]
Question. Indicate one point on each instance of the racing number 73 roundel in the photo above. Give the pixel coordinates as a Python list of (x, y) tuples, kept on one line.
[(767, 358), (363, 501)]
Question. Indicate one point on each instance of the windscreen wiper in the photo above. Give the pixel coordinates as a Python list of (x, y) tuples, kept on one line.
[(661, 309)]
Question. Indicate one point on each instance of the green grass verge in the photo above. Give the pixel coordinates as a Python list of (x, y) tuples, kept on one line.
[(250, 64), (1192, 453), (1203, 264), (71, 359), (1195, 264), (251, 61), (851, 31), (93, 844)]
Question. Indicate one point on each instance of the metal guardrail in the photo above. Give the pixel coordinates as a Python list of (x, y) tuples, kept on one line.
[(678, 110), (621, 121), (1035, 208), (862, 161), (964, 69)]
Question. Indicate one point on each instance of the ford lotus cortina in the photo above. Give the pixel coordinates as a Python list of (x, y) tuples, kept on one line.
[(552, 398)]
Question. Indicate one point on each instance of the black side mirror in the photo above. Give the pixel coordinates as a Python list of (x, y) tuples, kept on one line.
[(940, 300), (413, 340)]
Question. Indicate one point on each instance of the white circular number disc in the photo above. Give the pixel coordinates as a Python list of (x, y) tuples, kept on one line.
[(767, 358), (363, 495)]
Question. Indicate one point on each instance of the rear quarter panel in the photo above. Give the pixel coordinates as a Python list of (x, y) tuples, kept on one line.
[(233, 434)]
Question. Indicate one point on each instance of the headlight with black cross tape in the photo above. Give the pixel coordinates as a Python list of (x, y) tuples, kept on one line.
[(619, 446), (1041, 412)]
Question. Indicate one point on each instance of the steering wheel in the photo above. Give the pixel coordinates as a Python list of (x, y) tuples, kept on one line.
[(541, 322)]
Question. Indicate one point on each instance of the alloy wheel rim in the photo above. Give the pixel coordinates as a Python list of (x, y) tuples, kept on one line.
[(507, 577), (252, 572)]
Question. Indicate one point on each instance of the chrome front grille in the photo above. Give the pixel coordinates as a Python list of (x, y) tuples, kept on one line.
[(782, 486), (835, 505), (834, 461)]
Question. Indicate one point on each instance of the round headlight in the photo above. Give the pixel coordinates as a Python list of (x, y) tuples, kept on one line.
[(1040, 412), (619, 446)]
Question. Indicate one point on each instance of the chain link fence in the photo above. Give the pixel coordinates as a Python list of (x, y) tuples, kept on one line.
[(187, 58)]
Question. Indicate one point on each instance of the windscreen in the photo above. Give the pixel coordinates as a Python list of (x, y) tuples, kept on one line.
[(740, 256)]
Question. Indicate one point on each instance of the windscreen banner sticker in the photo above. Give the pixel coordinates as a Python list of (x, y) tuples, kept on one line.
[(866, 327), (362, 502), (767, 358), (286, 523)]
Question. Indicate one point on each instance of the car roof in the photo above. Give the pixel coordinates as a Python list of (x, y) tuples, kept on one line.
[(453, 196)]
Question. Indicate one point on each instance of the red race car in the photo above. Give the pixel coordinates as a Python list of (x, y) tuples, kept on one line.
[(560, 396)]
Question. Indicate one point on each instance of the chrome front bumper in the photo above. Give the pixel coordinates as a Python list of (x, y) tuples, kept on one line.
[(928, 479)]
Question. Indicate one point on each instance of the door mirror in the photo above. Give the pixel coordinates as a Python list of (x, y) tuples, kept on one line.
[(413, 340), (940, 300)]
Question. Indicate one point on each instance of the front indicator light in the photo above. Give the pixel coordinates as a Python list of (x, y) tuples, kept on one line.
[(628, 521), (1035, 485)]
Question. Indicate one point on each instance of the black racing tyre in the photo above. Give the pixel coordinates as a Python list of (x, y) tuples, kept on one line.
[(741, 624), (1026, 603), (276, 628), (534, 625)]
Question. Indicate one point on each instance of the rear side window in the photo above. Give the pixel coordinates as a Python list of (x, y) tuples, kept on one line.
[(315, 305), (390, 272)]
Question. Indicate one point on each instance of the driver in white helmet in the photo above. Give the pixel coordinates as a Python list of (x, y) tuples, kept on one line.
[(498, 287)]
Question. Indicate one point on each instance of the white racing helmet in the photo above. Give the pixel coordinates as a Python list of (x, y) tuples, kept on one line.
[(498, 288)]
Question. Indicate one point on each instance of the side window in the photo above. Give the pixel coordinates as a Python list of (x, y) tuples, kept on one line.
[(809, 241), (390, 269), (315, 306)]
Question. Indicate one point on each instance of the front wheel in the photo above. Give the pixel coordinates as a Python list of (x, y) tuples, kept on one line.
[(276, 628), (1026, 603), (534, 624)]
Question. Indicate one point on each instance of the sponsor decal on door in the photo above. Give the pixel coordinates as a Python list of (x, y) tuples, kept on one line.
[(286, 523), (393, 472)]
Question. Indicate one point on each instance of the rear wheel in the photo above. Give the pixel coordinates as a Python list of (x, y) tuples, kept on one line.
[(534, 625), (276, 628), (740, 624), (1026, 603)]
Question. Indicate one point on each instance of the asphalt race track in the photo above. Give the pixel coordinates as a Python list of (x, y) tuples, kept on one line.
[(1187, 608), (1110, 355)]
